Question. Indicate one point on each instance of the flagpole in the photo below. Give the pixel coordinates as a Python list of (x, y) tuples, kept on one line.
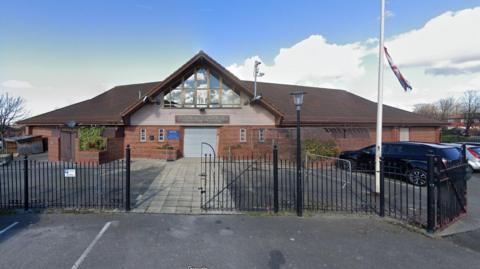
[(378, 141)]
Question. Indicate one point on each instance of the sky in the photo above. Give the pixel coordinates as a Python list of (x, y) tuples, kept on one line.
[(56, 53)]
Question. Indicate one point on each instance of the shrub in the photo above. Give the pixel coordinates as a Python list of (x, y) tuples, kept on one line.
[(459, 138), (316, 147), (166, 146), (91, 138)]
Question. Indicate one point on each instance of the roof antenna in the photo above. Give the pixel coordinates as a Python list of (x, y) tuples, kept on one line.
[(139, 95), (256, 73)]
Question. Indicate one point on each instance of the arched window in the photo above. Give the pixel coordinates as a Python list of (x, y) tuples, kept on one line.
[(201, 89)]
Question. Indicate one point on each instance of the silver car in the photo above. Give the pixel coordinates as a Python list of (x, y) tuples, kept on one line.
[(473, 154)]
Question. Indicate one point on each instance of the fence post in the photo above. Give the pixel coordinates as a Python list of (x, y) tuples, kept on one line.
[(275, 178), (430, 194), (382, 188), (127, 179), (25, 183)]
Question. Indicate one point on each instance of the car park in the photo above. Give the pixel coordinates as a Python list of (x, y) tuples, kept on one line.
[(408, 159)]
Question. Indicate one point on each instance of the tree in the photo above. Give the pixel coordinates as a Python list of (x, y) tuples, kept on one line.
[(12, 109), (427, 110), (446, 108), (470, 107)]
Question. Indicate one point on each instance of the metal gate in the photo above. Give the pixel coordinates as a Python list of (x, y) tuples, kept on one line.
[(447, 193), (267, 183)]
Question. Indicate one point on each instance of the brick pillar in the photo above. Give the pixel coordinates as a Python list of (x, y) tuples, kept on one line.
[(54, 148)]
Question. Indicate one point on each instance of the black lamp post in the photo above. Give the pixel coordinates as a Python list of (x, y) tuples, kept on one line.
[(298, 101)]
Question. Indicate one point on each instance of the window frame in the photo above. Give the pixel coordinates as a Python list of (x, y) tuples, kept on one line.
[(243, 135), (261, 135), (143, 135), (220, 88), (161, 132)]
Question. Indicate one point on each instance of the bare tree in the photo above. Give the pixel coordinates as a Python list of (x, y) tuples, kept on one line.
[(12, 109), (427, 110), (446, 107), (470, 107)]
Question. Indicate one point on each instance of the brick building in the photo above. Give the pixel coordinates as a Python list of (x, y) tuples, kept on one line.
[(204, 102)]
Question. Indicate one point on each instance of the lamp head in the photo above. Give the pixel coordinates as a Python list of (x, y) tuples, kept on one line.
[(298, 98)]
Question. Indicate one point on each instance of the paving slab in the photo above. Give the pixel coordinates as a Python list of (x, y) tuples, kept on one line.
[(174, 190)]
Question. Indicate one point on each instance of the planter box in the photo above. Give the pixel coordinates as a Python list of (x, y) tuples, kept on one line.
[(91, 156), (169, 154)]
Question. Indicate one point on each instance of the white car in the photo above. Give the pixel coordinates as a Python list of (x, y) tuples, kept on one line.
[(473, 154)]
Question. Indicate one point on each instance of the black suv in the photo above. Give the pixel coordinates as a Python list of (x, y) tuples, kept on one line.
[(408, 158)]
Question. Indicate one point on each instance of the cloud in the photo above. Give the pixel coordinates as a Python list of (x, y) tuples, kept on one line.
[(440, 59), (312, 61), (17, 84), (445, 45)]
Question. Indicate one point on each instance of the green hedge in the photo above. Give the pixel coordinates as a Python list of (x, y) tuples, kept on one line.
[(316, 147), (91, 138), (458, 138)]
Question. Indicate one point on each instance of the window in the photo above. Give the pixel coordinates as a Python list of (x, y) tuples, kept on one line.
[(202, 98), (201, 89), (229, 97), (243, 135), (393, 149), (143, 135), (161, 135), (369, 150), (173, 98), (261, 135), (404, 134)]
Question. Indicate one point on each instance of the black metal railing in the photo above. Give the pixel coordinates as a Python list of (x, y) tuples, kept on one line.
[(267, 183), (447, 193), (32, 184)]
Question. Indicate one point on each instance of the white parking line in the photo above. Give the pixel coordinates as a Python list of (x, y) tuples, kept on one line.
[(8, 228), (92, 244)]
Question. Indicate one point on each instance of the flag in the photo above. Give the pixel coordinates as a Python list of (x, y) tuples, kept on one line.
[(405, 84)]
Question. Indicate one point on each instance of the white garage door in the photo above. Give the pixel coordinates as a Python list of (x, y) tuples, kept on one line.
[(193, 138)]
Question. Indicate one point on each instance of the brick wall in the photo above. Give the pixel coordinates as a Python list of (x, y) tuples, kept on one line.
[(425, 134), (151, 148), (229, 141), (115, 146), (285, 138), (43, 131), (115, 151), (54, 149)]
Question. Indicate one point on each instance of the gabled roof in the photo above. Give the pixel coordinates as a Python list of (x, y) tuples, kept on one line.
[(321, 106), (202, 59)]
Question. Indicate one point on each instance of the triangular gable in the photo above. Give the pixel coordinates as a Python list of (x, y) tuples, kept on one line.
[(200, 59)]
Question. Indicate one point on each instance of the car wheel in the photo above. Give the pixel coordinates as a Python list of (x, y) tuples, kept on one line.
[(417, 177)]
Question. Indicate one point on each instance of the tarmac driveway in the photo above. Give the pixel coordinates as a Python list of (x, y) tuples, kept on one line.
[(220, 241)]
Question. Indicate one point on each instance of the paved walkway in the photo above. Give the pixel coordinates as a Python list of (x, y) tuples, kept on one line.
[(173, 190)]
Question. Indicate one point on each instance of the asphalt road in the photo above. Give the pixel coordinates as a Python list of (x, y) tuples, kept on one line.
[(235, 241)]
